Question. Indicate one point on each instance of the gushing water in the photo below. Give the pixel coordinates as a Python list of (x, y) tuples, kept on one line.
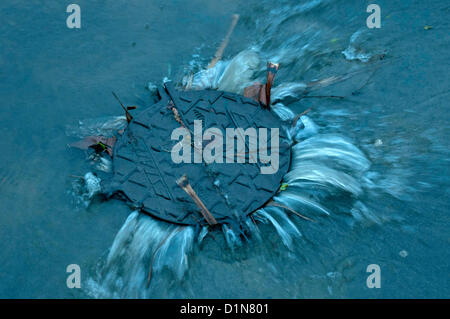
[(323, 166), (143, 249)]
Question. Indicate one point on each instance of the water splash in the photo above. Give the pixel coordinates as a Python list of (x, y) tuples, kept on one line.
[(105, 126), (84, 189), (286, 229), (142, 250), (296, 201), (231, 237), (147, 248), (322, 164), (232, 76), (358, 49)]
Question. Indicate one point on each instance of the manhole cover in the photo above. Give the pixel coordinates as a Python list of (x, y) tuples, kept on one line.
[(145, 173)]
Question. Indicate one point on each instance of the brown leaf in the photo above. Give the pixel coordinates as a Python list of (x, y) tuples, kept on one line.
[(253, 91), (91, 141), (261, 92)]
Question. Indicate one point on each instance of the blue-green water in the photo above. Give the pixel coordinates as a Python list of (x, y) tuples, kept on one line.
[(395, 110)]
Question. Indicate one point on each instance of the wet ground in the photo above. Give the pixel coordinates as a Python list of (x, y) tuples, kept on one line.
[(394, 109)]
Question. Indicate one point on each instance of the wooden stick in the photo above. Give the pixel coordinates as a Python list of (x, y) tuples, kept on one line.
[(298, 116), (76, 176), (176, 115), (272, 69), (224, 43), (184, 184), (128, 115), (272, 203)]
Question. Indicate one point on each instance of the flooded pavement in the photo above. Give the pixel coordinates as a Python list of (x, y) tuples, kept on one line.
[(388, 113)]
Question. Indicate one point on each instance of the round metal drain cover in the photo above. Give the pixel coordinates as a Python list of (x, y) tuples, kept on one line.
[(144, 172)]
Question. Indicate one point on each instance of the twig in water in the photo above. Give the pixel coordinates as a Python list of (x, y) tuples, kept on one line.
[(76, 176), (298, 116), (272, 203), (357, 91), (224, 43), (128, 115)]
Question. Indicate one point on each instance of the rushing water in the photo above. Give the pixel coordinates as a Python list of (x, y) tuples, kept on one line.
[(369, 175)]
